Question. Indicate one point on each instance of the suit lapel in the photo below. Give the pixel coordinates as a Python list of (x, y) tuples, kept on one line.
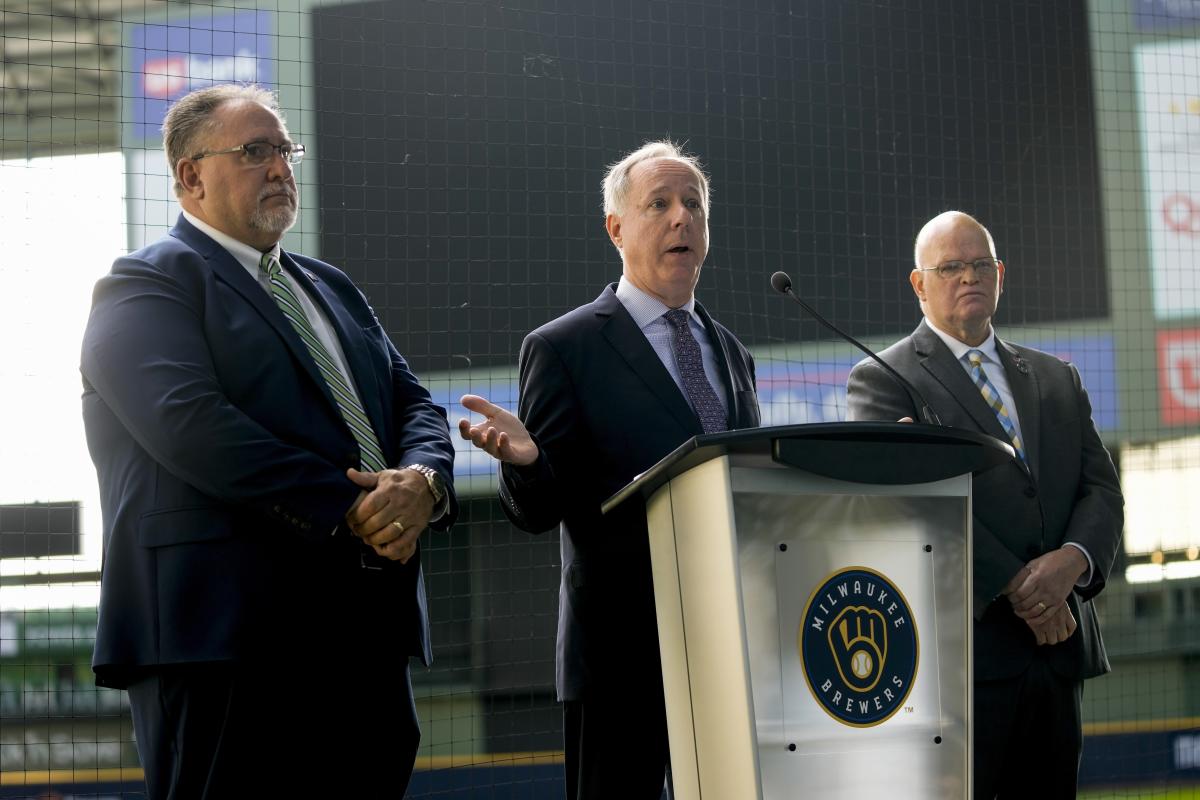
[(630, 345), (1024, 385), (945, 368), (228, 270)]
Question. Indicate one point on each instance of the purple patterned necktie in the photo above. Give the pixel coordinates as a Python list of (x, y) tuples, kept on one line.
[(691, 368)]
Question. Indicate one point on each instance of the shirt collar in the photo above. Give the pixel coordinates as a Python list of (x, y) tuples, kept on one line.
[(960, 349), (245, 255), (646, 309)]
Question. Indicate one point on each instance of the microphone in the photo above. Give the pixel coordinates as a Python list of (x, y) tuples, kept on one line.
[(782, 283)]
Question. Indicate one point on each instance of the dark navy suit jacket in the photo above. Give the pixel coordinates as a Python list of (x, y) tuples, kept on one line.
[(221, 457), (603, 409)]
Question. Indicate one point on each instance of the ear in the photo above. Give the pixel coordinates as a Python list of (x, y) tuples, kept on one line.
[(999, 277), (917, 279), (189, 178), (612, 224)]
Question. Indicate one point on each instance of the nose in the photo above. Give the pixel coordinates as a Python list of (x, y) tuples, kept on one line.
[(681, 215), (278, 167)]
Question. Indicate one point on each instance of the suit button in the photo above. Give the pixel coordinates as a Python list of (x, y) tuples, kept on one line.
[(1030, 491)]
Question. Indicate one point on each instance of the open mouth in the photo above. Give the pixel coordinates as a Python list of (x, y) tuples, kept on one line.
[(682, 248)]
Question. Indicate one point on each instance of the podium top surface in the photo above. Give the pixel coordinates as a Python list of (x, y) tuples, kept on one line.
[(861, 452)]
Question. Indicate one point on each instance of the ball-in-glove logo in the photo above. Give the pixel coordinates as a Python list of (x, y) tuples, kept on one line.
[(859, 647)]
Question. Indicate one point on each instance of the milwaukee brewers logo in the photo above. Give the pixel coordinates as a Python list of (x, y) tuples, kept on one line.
[(859, 647)]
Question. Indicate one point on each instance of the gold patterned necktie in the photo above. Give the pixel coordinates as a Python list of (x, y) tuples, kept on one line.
[(992, 397)]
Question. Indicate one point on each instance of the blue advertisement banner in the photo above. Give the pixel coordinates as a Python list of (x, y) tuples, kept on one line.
[(1160, 15), (171, 58), (799, 392)]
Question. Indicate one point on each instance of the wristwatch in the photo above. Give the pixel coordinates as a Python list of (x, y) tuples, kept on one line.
[(437, 487)]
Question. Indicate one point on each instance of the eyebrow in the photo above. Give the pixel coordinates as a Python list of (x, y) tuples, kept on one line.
[(661, 188)]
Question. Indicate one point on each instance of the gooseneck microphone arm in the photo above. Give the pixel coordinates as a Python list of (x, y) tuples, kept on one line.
[(782, 283)]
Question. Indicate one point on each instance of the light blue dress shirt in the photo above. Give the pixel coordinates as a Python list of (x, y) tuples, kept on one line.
[(647, 312)]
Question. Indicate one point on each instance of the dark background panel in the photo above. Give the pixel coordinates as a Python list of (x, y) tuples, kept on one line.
[(493, 606), (35, 530), (461, 147)]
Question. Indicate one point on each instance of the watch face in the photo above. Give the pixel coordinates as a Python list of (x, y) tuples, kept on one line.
[(435, 485)]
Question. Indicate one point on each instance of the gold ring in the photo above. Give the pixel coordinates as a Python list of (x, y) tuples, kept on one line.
[(400, 526), (1041, 605)]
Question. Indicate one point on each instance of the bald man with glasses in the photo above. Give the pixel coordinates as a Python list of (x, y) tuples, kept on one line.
[(1046, 526)]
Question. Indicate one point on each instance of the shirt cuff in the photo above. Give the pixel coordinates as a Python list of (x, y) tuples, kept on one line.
[(440, 509), (1086, 578)]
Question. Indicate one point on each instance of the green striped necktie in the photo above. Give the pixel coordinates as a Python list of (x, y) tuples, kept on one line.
[(372, 459)]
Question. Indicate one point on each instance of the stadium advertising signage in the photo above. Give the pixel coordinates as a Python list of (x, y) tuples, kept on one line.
[(173, 57), (1169, 113), (1179, 376), (1161, 15)]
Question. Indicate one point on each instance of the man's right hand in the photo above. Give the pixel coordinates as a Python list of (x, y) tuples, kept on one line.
[(1050, 624), (501, 435), (1055, 626)]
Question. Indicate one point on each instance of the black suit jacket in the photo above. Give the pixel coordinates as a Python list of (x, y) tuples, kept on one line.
[(603, 409), (1068, 493), (221, 457)]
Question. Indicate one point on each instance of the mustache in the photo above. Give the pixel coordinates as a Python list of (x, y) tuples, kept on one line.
[(271, 191)]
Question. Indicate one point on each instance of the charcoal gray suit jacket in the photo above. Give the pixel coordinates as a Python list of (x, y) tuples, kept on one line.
[(1068, 492)]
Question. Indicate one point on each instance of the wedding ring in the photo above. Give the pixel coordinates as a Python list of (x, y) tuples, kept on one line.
[(400, 527), (1041, 605)]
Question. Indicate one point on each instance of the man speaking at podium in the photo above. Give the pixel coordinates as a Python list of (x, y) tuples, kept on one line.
[(1046, 526), (606, 391)]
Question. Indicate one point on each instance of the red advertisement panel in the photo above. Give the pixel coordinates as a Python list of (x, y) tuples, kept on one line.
[(1179, 376)]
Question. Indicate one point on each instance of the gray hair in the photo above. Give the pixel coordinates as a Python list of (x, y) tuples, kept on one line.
[(616, 180), (190, 118), (927, 231)]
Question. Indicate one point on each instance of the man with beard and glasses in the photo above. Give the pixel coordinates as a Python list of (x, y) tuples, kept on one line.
[(267, 464)]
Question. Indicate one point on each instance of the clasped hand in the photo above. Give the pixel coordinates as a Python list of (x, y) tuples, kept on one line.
[(1038, 593), (392, 510)]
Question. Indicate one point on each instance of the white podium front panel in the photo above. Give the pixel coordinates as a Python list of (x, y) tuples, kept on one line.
[(856, 626), (814, 633)]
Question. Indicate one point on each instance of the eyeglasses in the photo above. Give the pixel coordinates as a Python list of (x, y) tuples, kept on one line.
[(258, 153), (985, 268)]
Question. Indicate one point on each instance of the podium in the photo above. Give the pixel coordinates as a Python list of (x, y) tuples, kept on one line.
[(813, 593)]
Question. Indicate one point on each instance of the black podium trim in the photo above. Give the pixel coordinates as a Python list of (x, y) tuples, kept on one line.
[(861, 452)]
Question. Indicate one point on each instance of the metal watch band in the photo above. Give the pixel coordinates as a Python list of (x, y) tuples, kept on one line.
[(437, 486)]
